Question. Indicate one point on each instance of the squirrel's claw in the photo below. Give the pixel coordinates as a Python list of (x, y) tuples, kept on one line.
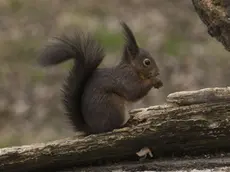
[(144, 152)]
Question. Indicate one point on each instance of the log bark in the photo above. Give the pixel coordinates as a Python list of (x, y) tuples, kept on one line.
[(215, 14), (188, 128), (200, 96), (201, 164)]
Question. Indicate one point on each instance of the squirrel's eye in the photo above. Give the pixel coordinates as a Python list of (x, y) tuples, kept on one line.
[(146, 62)]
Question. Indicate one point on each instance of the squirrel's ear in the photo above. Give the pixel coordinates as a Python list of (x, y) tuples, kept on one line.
[(131, 45)]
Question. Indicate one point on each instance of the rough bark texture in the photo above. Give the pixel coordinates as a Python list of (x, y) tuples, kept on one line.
[(216, 16), (183, 126), (205, 164), (200, 96)]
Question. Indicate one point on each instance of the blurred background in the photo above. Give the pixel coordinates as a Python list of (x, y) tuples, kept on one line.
[(30, 106)]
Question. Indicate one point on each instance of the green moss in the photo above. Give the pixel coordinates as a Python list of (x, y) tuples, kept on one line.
[(67, 65), (114, 41), (217, 2), (15, 5), (110, 40), (37, 75), (174, 44), (11, 141)]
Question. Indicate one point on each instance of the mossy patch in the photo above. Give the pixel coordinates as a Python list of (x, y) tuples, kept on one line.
[(111, 41), (15, 5), (174, 44)]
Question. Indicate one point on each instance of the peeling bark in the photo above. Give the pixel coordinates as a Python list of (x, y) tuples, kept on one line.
[(190, 123), (215, 14)]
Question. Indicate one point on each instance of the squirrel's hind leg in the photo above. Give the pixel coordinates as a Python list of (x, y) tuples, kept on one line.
[(107, 114)]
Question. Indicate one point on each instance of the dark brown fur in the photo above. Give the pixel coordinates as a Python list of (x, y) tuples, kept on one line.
[(95, 98)]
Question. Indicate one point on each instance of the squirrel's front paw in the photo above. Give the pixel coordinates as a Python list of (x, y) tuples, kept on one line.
[(157, 83)]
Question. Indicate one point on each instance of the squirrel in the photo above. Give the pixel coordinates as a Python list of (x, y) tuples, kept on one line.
[(95, 98)]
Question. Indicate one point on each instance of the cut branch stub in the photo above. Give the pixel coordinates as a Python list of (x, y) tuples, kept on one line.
[(206, 95)]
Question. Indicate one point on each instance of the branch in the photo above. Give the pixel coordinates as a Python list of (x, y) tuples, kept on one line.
[(215, 14), (190, 123)]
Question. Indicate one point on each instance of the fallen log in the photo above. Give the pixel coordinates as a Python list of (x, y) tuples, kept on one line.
[(175, 128), (219, 163), (215, 14)]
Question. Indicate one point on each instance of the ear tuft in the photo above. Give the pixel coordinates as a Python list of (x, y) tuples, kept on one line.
[(131, 44)]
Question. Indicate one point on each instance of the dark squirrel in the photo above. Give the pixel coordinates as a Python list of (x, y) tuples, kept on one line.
[(95, 98)]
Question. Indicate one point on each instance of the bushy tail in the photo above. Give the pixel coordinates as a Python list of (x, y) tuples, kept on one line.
[(87, 55)]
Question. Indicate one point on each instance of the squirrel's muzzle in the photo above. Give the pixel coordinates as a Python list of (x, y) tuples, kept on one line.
[(153, 74), (157, 83)]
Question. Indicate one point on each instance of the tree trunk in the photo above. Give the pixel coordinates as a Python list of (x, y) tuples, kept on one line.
[(216, 16), (190, 123)]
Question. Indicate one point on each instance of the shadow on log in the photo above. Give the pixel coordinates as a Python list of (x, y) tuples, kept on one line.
[(190, 123), (216, 16)]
